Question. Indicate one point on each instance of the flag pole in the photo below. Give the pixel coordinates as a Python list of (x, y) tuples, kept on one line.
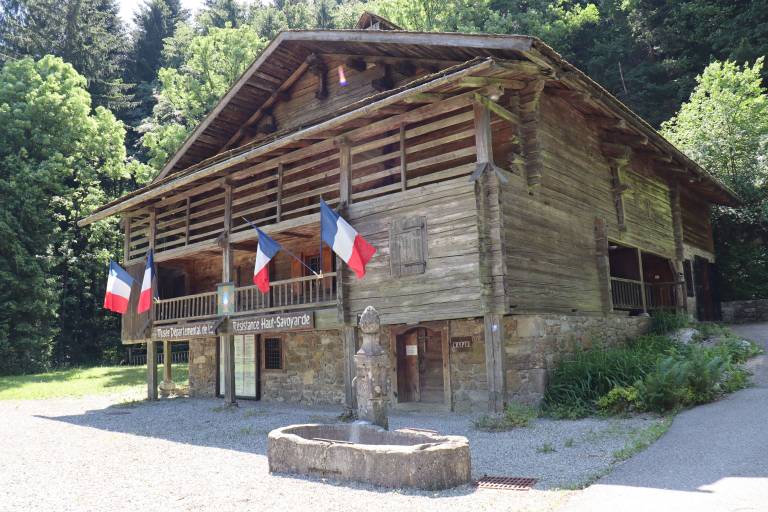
[(286, 250)]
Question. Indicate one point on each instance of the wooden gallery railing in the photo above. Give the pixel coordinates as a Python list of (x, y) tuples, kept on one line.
[(628, 294), (298, 293)]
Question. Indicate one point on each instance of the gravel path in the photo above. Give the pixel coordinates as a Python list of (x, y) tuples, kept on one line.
[(182, 454), (714, 458)]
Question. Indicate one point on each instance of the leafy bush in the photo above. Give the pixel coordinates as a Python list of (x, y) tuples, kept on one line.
[(664, 322), (705, 371), (579, 382), (666, 387), (620, 400), (736, 379), (515, 415)]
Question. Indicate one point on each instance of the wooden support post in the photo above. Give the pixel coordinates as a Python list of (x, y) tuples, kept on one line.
[(279, 213), (127, 239), (186, 222), (349, 341), (345, 171), (494, 361), (618, 189), (642, 281), (167, 385), (151, 370), (603, 264), (403, 160), (677, 228), (228, 340), (529, 129)]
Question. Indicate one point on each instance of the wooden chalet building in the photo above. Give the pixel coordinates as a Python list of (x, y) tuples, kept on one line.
[(519, 210)]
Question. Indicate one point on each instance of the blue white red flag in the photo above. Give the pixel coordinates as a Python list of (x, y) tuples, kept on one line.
[(119, 285), (265, 251), (347, 243), (145, 299)]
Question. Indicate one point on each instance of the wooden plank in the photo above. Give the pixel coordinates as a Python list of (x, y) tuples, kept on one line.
[(151, 370), (280, 171), (494, 360), (403, 159), (603, 264), (345, 172)]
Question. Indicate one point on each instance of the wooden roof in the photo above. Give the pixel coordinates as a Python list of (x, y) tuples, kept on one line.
[(208, 145)]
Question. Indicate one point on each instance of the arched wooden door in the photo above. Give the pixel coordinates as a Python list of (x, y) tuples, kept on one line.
[(420, 366)]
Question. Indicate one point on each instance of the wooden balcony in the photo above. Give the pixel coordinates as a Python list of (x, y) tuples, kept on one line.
[(629, 294), (289, 294)]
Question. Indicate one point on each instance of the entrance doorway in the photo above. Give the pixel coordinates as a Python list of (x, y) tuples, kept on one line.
[(420, 366), (247, 378), (705, 282)]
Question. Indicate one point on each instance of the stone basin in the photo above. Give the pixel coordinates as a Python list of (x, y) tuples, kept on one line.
[(366, 453)]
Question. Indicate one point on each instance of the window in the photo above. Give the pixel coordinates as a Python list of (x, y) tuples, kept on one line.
[(408, 246), (688, 273), (273, 354), (314, 263)]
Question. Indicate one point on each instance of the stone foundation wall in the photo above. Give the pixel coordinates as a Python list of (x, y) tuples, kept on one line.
[(469, 382), (536, 343), (742, 311), (202, 367), (313, 370)]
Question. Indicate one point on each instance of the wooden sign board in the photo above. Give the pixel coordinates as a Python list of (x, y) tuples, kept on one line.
[(205, 329), (461, 342), (269, 323)]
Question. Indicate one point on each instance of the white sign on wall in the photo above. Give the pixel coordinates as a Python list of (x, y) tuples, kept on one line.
[(411, 350)]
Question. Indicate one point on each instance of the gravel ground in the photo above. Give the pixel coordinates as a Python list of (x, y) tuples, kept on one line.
[(96, 453)]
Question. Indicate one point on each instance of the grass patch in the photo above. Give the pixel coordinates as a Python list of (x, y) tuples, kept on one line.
[(569, 443), (77, 382), (516, 415), (642, 439), (546, 448)]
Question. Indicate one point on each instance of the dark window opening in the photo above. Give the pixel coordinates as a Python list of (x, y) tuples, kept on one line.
[(688, 273), (273, 354)]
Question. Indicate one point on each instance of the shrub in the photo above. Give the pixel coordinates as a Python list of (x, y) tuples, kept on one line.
[(736, 379), (664, 322), (620, 400), (705, 370), (739, 350), (666, 387)]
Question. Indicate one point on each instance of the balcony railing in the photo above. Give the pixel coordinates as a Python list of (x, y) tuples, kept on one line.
[(297, 293), (628, 294)]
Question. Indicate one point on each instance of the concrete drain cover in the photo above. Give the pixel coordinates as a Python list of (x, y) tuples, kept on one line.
[(506, 483)]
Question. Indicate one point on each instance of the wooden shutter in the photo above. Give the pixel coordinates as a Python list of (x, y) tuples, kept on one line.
[(408, 246)]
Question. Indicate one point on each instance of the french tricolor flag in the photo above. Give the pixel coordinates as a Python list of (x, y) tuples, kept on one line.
[(145, 299), (119, 285), (344, 240), (265, 251)]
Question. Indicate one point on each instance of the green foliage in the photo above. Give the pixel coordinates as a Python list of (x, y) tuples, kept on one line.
[(89, 35), (724, 127), (516, 415), (546, 448), (210, 64), (642, 439), (665, 322), (619, 400), (59, 159)]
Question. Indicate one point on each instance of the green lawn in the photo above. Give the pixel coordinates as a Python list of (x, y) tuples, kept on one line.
[(75, 382)]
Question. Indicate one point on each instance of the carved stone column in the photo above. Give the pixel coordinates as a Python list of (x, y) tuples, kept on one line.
[(372, 380)]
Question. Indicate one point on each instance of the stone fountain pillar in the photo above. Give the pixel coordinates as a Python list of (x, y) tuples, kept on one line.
[(372, 380)]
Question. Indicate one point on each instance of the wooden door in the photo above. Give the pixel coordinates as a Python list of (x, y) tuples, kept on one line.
[(408, 367), (430, 366), (420, 366)]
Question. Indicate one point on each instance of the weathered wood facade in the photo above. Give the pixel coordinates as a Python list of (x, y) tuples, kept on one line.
[(499, 185)]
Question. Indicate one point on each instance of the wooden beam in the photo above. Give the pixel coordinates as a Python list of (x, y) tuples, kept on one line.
[(679, 236), (151, 370), (356, 63), (345, 171), (318, 68), (385, 82), (494, 361), (403, 159), (625, 138), (603, 264), (228, 340), (529, 101), (482, 81), (496, 108), (618, 153), (186, 222), (606, 123), (254, 118), (426, 97), (127, 238), (642, 280), (279, 212)]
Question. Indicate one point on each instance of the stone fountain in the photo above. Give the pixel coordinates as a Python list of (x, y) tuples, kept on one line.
[(365, 450)]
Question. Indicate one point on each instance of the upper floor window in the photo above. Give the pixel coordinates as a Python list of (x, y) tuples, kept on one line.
[(408, 246)]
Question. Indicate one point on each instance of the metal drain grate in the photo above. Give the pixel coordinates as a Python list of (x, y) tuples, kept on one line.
[(506, 483)]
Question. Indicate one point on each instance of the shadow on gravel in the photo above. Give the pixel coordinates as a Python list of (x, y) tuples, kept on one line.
[(207, 422)]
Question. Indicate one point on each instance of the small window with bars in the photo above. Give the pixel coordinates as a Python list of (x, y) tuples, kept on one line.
[(273, 354)]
